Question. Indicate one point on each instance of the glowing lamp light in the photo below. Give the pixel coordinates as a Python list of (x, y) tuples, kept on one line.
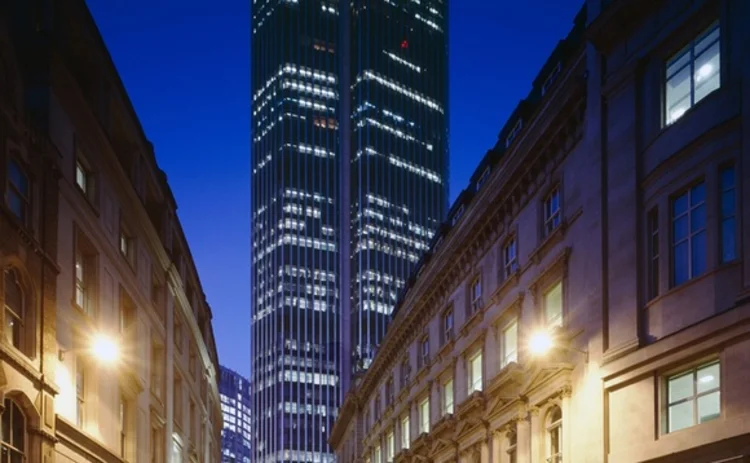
[(540, 343), (105, 349)]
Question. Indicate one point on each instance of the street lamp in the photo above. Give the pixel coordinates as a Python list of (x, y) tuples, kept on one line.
[(105, 349), (541, 342), (102, 347)]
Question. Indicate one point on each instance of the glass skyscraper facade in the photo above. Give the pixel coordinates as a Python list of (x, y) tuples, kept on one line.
[(236, 406), (350, 168)]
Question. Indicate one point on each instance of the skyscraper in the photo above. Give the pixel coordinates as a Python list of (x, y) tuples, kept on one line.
[(236, 404), (350, 168)]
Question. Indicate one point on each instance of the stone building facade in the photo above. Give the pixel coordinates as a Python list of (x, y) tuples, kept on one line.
[(91, 248), (607, 222)]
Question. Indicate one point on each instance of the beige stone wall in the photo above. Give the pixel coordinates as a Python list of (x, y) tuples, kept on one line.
[(620, 342)]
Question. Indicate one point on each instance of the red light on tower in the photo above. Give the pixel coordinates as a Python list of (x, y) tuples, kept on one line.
[(405, 44)]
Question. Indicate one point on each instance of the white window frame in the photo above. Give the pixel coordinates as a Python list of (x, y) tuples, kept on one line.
[(696, 395), (475, 293), (476, 377), (554, 431), (449, 394), (552, 208), (509, 353), (556, 321), (390, 446), (424, 415), (405, 432), (510, 257)]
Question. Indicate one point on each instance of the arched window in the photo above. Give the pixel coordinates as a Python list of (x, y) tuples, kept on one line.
[(14, 309), (13, 445), (554, 435)]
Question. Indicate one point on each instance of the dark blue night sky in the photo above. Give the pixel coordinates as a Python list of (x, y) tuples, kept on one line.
[(186, 67)]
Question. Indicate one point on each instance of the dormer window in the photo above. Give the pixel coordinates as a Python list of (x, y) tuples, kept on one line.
[(551, 79), (483, 178), (457, 215), (514, 133)]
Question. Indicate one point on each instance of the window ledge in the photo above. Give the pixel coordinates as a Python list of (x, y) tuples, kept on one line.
[(508, 376), (473, 321), (475, 402), (506, 285), (555, 237), (446, 349)]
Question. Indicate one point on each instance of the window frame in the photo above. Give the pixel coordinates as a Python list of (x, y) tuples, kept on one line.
[(653, 249), (405, 432), (7, 438), (689, 49), (552, 218), (448, 331), (11, 188), (510, 260), (448, 407), (545, 294), (475, 295), (424, 420), (472, 386), (18, 343), (688, 240), (424, 351), (693, 371), (555, 427), (504, 356)]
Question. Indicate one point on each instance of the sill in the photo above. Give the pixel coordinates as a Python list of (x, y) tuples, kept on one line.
[(446, 348), (675, 289), (509, 375), (511, 281), (422, 372), (554, 237)]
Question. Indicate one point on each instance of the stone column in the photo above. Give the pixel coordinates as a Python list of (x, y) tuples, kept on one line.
[(533, 438), (567, 449), (497, 447), (485, 449)]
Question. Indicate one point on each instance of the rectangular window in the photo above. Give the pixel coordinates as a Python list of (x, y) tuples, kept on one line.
[(693, 397), (692, 74), (728, 213), (424, 416), (510, 344), (510, 258), (552, 217), (483, 178), (82, 296), (405, 432), (80, 393), (424, 357), (514, 133), (447, 325), (475, 372), (390, 447), (476, 295), (127, 245), (389, 395), (18, 191), (376, 455), (405, 372), (653, 253), (689, 234), (123, 423), (84, 178), (553, 306), (448, 397)]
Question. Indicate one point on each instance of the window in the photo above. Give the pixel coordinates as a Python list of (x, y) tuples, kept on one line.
[(692, 74), (14, 309), (476, 295), (553, 306), (483, 178), (457, 215), (514, 133), (18, 191), (176, 451), (157, 370), (126, 313), (405, 372), (448, 397), (689, 234), (127, 245), (177, 401), (390, 447), (123, 422), (405, 432), (510, 344), (447, 325), (552, 215), (376, 455), (475, 372), (512, 446), (389, 394), (13, 437), (728, 212), (653, 253), (693, 397), (85, 178), (424, 352), (510, 258), (376, 407), (554, 435), (80, 392), (551, 79), (85, 274), (178, 332), (424, 415)]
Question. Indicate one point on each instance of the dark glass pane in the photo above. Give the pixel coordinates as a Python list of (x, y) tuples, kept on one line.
[(679, 205), (728, 240), (681, 274), (18, 427), (698, 194), (728, 206), (680, 229), (18, 178), (698, 219), (698, 251), (727, 178)]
